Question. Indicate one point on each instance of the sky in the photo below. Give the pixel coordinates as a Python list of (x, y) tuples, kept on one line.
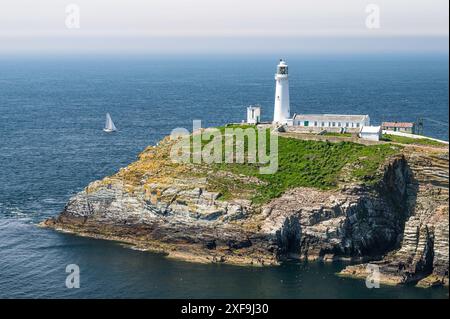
[(223, 26)]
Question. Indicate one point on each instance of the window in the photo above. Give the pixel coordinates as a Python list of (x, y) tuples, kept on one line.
[(315, 123), (306, 123), (353, 124), (357, 124), (283, 70), (346, 124), (323, 123), (339, 124), (334, 123), (329, 124)]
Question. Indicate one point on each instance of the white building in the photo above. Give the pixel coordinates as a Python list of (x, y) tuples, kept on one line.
[(326, 121), (304, 122), (372, 133), (281, 112), (253, 114)]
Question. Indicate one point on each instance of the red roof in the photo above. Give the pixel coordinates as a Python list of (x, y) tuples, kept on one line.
[(397, 124)]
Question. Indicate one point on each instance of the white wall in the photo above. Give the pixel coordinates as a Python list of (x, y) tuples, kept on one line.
[(281, 108), (328, 123), (253, 115), (370, 136)]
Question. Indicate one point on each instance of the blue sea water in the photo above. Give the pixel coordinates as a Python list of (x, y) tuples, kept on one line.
[(52, 111)]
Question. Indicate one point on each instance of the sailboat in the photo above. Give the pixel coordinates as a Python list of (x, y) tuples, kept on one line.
[(109, 125)]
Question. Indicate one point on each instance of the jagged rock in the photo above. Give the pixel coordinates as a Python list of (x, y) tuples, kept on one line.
[(401, 222), (423, 254)]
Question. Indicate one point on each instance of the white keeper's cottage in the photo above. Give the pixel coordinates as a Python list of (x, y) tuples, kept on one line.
[(331, 120)]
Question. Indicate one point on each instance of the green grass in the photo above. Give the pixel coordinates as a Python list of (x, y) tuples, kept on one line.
[(338, 134), (409, 140), (317, 164)]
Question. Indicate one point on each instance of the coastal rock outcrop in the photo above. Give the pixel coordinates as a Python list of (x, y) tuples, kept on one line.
[(399, 223), (422, 257), (353, 222)]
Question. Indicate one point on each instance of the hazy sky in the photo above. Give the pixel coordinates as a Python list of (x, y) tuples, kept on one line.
[(223, 26)]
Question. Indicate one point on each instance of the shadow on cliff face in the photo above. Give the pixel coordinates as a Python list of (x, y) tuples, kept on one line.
[(289, 237), (372, 222), (376, 225), (399, 187), (369, 223)]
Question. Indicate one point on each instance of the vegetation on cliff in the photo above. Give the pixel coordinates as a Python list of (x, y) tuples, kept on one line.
[(301, 163), (409, 140), (312, 206), (317, 164)]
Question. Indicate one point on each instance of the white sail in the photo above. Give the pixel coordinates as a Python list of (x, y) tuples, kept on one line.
[(109, 125)]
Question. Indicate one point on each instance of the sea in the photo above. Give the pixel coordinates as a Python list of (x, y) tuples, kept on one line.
[(52, 112)]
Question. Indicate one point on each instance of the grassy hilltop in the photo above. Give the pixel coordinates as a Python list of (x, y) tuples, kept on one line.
[(301, 163), (308, 164), (409, 140)]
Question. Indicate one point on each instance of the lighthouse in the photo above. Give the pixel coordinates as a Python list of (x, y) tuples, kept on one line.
[(281, 112)]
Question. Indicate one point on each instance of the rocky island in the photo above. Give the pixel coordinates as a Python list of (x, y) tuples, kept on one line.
[(332, 198)]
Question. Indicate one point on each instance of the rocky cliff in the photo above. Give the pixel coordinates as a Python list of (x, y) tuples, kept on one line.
[(401, 221), (422, 257)]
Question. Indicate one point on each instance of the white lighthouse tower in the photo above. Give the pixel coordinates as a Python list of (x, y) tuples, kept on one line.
[(281, 112)]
